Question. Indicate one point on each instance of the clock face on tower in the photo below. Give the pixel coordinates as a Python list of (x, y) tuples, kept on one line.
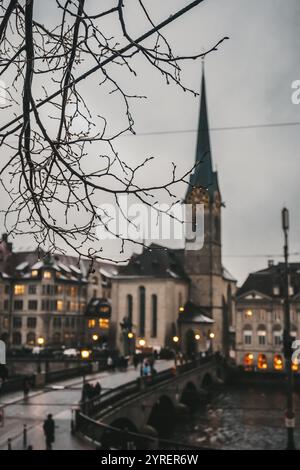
[(198, 195)]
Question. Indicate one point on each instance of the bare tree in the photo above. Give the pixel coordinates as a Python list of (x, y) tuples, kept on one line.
[(57, 156)]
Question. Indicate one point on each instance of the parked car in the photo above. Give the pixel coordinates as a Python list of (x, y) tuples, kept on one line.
[(71, 352)]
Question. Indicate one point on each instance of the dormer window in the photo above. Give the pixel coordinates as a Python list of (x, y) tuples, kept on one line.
[(34, 273), (47, 275), (276, 290), (291, 290)]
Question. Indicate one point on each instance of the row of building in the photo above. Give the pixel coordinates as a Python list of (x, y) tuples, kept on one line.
[(175, 298)]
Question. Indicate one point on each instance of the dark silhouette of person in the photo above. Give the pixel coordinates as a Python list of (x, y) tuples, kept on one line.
[(49, 431), (97, 389), (26, 386)]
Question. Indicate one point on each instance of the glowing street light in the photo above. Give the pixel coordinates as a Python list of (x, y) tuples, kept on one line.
[(197, 337), (142, 342), (130, 335), (175, 339), (211, 335), (40, 341), (85, 354), (95, 337)]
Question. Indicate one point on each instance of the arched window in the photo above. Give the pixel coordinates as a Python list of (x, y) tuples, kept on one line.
[(278, 362), (262, 362), (129, 308), (142, 297), (154, 317), (261, 332), (17, 338), (248, 361), (30, 340)]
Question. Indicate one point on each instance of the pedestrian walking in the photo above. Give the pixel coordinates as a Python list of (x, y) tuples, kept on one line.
[(49, 431), (26, 387)]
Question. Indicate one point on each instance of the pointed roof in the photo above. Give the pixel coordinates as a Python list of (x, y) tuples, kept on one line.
[(203, 175)]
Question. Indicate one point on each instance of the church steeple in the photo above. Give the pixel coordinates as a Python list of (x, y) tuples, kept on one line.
[(203, 175)]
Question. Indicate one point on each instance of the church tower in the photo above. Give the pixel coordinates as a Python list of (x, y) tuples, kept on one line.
[(204, 265)]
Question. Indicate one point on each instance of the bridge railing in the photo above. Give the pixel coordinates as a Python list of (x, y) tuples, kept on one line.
[(107, 437)]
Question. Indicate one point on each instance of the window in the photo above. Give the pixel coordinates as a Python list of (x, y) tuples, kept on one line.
[(56, 322), (262, 361), (59, 289), (129, 308), (95, 280), (7, 289), (247, 334), (248, 313), (32, 288), (17, 338), (5, 304), (30, 339), (276, 290), (48, 305), (17, 322), (154, 316), (91, 323), (73, 291), (18, 304), (19, 289), (248, 361), (278, 362), (34, 273), (261, 332), (47, 275), (59, 305), (104, 323), (32, 305), (31, 322), (261, 338), (277, 338), (247, 337), (142, 310)]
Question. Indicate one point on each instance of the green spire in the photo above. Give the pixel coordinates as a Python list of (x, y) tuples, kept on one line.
[(203, 176)]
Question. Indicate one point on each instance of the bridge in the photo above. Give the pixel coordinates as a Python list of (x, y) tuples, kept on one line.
[(141, 413)]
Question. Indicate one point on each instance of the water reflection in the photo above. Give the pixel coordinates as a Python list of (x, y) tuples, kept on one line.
[(244, 418)]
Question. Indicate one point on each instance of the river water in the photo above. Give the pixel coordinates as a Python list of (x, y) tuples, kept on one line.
[(250, 417)]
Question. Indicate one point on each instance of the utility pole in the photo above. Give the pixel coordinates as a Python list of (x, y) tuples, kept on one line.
[(287, 340)]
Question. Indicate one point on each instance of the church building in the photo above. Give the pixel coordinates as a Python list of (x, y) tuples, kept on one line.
[(180, 298)]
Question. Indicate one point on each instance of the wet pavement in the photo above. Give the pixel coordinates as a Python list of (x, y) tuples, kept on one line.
[(58, 399), (247, 418)]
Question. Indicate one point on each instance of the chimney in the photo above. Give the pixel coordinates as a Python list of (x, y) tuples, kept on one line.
[(270, 263)]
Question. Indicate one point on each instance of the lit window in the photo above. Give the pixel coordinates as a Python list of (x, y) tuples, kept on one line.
[(248, 361), (19, 289), (47, 275), (34, 273), (249, 313), (295, 366), (59, 306), (276, 290), (91, 323), (262, 361), (278, 362), (104, 323)]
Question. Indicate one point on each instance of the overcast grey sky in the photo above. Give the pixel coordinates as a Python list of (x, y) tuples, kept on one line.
[(248, 83)]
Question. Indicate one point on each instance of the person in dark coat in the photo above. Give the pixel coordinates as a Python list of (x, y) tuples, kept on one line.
[(49, 431)]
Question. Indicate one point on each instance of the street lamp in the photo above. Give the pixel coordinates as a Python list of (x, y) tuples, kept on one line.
[(85, 354), (142, 342), (197, 337), (175, 339), (287, 340), (95, 337), (130, 335), (40, 341)]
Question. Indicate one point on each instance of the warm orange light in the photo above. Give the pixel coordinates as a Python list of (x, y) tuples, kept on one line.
[(249, 313), (130, 335), (175, 339), (295, 367), (248, 361), (40, 341), (85, 354), (211, 335), (142, 342), (181, 309), (262, 361), (95, 337), (278, 362), (197, 337)]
